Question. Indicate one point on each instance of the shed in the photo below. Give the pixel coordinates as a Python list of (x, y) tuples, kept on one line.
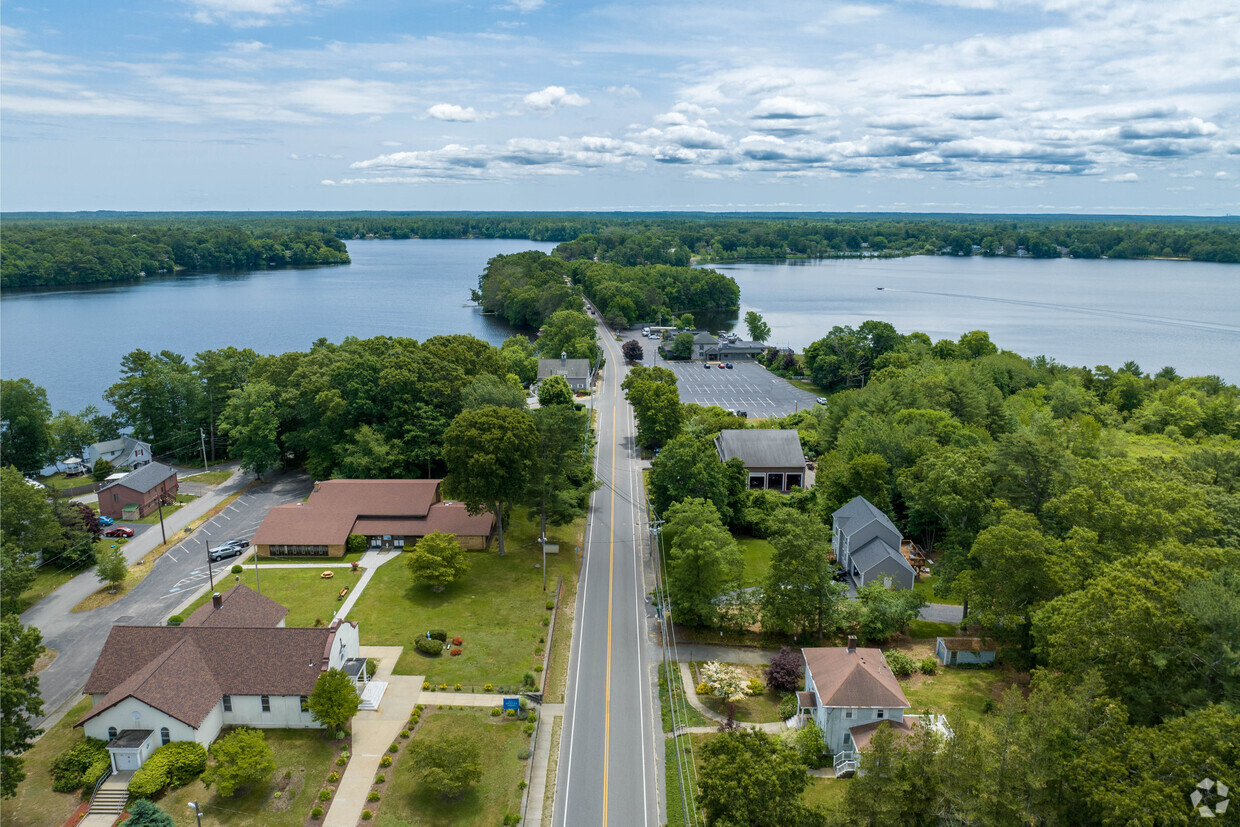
[(961, 651)]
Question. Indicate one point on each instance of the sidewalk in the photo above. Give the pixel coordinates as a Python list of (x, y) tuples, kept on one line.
[(547, 714), (372, 733), (686, 676)]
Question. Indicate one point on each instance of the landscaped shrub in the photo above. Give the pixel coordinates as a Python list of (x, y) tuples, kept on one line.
[(528, 729), (490, 688), (456, 641), (325, 795), (901, 664), (788, 706), (784, 673), (511, 713), (394, 748), (237, 569), (810, 744), (524, 755), (428, 646), (438, 634), (367, 815), (91, 777), (528, 679), (176, 620), (532, 716), (385, 761), (172, 765), (458, 687), (333, 777), (455, 651), (317, 812), (69, 767), (546, 621), (521, 785), (496, 712), (703, 688), (426, 685), (928, 666), (404, 733), (374, 796), (550, 605), (380, 778), (538, 668), (756, 687)]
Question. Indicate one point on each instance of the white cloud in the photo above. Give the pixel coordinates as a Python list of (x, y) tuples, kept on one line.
[(553, 97), (1124, 178), (527, 5), (243, 13), (787, 108), (624, 91), (452, 112)]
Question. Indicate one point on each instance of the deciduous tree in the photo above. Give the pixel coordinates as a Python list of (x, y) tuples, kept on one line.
[(243, 758), (27, 526), (251, 425), (554, 390), (656, 404), (703, 562), (759, 330), (633, 350), (437, 560), (449, 765), (490, 454), (334, 701), (800, 596), (750, 779), (110, 566), (25, 437), (20, 701)]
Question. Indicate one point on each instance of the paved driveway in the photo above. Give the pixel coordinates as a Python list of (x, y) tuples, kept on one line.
[(748, 387)]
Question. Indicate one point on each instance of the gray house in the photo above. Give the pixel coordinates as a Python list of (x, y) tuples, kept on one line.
[(867, 546), (705, 346), (963, 651), (124, 452), (848, 693), (576, 371), (773, 458)]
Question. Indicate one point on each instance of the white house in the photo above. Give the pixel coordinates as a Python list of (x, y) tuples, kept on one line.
[(867, 546), (231, 663), (848, 693), (124, 452)]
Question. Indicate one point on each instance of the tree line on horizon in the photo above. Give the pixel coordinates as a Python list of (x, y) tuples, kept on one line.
[(55, 249)]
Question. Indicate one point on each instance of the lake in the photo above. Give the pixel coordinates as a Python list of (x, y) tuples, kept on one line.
[(1157, 313), (1080, 312)]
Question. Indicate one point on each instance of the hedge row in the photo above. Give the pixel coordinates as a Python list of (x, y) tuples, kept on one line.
[(172, 765)]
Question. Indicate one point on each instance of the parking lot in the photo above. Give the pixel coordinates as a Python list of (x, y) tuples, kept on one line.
[(748, 387)]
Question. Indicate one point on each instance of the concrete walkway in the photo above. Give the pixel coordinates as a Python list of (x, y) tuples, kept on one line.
[(373, 732), (370, 561), (547, 714), (686, 677)]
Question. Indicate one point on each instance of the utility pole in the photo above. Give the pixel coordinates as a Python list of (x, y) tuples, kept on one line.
[(203, 439), (258, 587), (162, 497), (210, 576)]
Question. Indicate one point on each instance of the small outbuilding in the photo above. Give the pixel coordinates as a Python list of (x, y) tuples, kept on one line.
[(963, 651)]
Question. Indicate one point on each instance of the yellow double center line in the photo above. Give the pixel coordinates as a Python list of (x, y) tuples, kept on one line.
[(611, 576)]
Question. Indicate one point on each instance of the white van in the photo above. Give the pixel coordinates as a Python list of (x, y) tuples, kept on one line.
[(645, 331)]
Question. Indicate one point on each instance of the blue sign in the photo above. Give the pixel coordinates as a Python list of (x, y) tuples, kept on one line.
[(512, 703)]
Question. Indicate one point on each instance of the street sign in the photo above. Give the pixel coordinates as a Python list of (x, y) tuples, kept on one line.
[(512, 703)]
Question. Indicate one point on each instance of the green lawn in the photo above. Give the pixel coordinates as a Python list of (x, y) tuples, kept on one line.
[(307, 596), (208, 477), (499, 740), (826, 793), (691, 715), (757, 554), (755, 709), (962, 691), (35, 805), (153, 517), (925, 587), (60, 481), (923, 629), (46, 580), (304, 753), (498, 608)]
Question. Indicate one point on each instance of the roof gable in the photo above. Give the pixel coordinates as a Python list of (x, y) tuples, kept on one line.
[(857, 513), (568, 368), (875, 551), (857, 678), (328, 516), (240, 606)]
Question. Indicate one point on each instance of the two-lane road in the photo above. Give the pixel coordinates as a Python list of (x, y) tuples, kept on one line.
[(607, 751)]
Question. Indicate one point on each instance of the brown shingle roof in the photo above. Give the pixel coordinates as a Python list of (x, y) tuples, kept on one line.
[(338, 508), (862, 733), (241, 606), (857, 678), (964, 644), (183, 671)]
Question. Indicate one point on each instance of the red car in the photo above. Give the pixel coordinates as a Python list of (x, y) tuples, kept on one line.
[(118, 531)]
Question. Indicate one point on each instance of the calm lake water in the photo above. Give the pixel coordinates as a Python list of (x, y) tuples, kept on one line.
[(1183, 314)]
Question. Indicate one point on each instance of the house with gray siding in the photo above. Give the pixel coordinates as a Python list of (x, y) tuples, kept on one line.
[(849, 692), (773, 458), (577, 372), (867, 546)]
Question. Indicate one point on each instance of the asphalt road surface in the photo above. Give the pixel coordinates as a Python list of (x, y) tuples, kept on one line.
[(78, 637), (607, 747), (748, 387)]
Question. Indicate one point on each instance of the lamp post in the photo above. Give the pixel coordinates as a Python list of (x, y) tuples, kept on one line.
[(193, 805)]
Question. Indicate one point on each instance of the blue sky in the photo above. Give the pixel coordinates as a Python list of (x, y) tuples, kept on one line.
[(953, 106)]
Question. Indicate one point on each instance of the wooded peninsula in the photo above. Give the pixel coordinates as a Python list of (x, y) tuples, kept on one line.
[(48, 249)]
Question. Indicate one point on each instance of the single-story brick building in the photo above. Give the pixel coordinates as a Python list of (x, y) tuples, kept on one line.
[(388, 513), (139, 492)]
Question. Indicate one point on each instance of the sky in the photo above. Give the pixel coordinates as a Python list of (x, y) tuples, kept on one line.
[(980, 106)]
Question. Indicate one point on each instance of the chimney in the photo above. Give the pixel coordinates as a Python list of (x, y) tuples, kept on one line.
[(218, 602), (852, 643), (563, 358)]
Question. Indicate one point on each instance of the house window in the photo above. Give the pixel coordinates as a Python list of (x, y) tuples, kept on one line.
[(111, 732), (878, 713), (266, 702), (165, 737), (228, 703), (305, 704), (116, 498), (848, 713)]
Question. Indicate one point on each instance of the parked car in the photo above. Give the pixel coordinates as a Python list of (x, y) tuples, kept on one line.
[(105, 520), (706, 365), (822, 400), (118, 531), (224, 552), (727, 365)]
